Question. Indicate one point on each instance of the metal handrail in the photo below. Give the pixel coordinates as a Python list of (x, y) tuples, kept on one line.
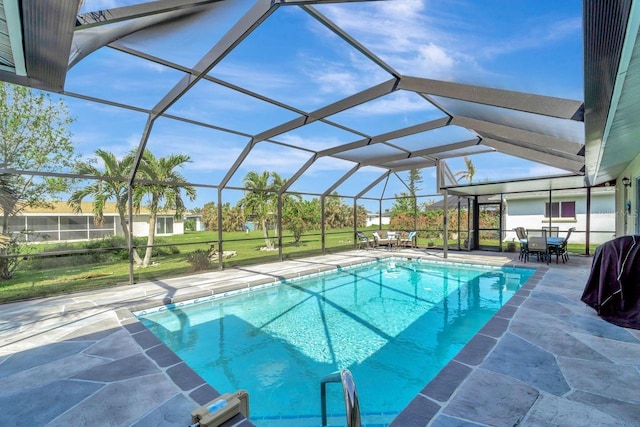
[(350, 396)]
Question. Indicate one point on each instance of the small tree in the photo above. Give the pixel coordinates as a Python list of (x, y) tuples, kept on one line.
[(8, 245), (298, 216), (403, 204), (415, 178), (34, 136), (210, 216), (256, 201), (337, 214)]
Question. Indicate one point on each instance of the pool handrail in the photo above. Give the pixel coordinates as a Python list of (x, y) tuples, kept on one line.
[(350, 396)]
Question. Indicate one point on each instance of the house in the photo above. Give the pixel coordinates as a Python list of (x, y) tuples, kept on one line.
[(567, 208), (374, 219), (61, 224)]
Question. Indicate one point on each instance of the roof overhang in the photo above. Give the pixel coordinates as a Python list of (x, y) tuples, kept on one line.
[(560, 182), (39, 33), (612, 87)]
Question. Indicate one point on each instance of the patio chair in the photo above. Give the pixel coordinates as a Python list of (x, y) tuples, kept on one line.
[(363, 241), (561, 249), (522, 237), (537, 244), (409, 241), (552, 231)]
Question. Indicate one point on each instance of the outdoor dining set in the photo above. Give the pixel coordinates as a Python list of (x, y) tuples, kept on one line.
[(543, 243), (388, 239)]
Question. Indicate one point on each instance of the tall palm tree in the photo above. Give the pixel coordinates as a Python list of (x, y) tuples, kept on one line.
[(257, 201), (113, 187), (469, 172), (277, 182), (161, 195)]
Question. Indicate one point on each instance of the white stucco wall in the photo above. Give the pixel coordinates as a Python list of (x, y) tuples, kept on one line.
[(632, 171), (141, 226), (375, 220), (529, 213)]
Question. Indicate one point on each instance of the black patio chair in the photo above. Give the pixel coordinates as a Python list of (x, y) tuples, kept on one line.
[(561, 249), (363, 241), (522, 237), (537, 244)]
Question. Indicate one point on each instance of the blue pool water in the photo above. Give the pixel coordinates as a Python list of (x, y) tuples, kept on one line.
[(394, 324)]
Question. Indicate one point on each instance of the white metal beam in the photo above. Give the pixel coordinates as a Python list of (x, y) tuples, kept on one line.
[(535, 156), (530, 103)]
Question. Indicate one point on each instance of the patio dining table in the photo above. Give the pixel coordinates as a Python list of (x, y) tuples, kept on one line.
[(553, 246)]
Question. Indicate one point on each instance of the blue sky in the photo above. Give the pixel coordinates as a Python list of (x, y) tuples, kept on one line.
[(523, 46)]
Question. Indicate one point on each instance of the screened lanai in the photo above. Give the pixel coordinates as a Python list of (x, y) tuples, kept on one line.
[(342, 99)]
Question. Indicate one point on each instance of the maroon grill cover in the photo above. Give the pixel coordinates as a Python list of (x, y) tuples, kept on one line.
[(613, 287)]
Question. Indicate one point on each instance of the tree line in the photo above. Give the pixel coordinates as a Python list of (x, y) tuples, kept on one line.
[(35, 136), (259, 205)]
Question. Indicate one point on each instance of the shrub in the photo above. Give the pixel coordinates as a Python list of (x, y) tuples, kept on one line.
[(8, 265), (199, 260)]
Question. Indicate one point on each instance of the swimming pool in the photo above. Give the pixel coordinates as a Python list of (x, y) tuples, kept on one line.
[(394, 324)]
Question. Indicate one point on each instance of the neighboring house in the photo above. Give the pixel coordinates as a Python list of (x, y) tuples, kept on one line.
[(62, 224), (374, 219), (568, 208)]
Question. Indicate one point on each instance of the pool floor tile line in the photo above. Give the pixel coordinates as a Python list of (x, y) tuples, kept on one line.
[(85, 344)]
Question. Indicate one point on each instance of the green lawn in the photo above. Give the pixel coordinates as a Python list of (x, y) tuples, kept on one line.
[(61, 274)]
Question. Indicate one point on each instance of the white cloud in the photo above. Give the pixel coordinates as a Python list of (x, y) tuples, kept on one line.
[(424, 38), (533, 38)]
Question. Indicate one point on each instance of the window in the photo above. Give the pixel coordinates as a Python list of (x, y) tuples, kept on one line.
[(164, 225), (68, 223), (560, 210), (42, 223)]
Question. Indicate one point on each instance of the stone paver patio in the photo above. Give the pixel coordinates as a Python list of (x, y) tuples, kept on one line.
[(545, 359)]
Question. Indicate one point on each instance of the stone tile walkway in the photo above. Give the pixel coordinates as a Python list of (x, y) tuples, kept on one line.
[(544, 359)]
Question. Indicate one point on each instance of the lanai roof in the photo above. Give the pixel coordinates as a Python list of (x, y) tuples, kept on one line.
[(45, 44)]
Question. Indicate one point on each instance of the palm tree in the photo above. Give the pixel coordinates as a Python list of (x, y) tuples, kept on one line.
[(257, 201), (469, 172), (277, 182), (161, 195), (113, 187)]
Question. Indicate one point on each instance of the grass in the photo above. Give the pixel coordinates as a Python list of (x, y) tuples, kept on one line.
[(62, 274), (70, 273)]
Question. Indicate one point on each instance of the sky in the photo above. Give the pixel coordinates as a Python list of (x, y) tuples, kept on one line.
[(523, 46)]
